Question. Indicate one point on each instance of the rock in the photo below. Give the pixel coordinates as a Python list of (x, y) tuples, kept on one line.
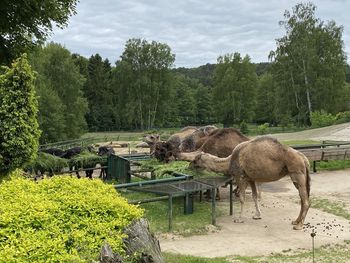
[(142, 145)]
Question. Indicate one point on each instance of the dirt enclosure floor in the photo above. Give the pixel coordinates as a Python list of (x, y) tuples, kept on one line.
[(273, 233)]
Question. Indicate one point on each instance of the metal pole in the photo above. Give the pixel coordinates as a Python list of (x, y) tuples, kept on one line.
[(213, 203), (313, 234), (231, 197), (170, 212)]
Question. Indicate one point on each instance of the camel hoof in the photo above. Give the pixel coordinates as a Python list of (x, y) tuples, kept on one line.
[(298, 227), (295, 222), (238, 220), (256, 217)]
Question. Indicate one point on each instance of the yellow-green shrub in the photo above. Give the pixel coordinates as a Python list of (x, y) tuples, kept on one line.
[(62, 219)]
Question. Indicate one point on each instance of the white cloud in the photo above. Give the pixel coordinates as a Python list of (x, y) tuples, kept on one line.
[(197, 31)]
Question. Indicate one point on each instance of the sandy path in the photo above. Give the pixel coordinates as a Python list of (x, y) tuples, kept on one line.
[(273, 233), (340, 132)]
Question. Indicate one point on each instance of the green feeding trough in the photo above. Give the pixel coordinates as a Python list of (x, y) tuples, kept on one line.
[(177, 185), (119, 167)]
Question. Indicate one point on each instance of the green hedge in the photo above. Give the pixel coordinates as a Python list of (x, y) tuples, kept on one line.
[(62, 219), (19, 132)]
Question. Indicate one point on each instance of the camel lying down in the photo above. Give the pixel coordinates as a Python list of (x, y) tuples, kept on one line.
[(263, 159)]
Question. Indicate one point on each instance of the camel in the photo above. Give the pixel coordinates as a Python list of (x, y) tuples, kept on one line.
[(263, 159), (151, 140), (220, 142), (175, 139), (195, 140), (178, 137)]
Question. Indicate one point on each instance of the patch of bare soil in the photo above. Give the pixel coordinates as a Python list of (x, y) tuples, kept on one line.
[(273, 233)]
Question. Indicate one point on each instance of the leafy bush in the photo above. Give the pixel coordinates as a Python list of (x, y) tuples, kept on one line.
[(243, 127), (322, 119), (342, 117), (262, 129), (19, 132), (62, 219)]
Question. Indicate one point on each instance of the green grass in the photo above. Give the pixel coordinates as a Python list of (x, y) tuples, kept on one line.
[(253, 129), (177, 258), (300, 142), (185, 225), (113, 136), (329, 253), (333, 165), (335, 208)]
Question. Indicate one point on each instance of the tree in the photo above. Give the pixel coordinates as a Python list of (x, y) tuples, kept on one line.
[(266, 100), (309, 65), (19, 133), (99, 94), (59, 82), (185, 101), (142, 80), (235, 83), (25, 23), (204, 101)]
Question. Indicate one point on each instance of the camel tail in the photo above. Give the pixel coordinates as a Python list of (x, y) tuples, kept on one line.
[(308, 179)]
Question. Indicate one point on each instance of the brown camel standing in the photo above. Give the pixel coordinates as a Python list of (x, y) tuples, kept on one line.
[(195, 140), (263, 159), (220, 142)]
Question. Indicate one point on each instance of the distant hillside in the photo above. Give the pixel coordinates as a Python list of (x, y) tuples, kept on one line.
[(204, 74)]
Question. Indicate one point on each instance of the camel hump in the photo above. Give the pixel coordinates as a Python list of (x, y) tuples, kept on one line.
[(192, 128), (207, 129), (296, 161)]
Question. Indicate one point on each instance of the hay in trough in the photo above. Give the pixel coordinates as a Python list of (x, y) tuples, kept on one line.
[(87, 160), (47, 163), (161, 169)]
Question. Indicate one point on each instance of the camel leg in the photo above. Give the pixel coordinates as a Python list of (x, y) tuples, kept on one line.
[(255, 198), (242, 185), (304, 199), (258, 188)]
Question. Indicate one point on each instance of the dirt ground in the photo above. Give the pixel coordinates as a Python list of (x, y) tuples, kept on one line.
[(273, 233), (279, 205), (340, 132)]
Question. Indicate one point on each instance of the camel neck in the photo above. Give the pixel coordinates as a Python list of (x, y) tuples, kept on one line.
[(220, 165)]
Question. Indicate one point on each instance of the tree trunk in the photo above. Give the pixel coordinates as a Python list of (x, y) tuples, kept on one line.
[(140, 245), (141, 240), (306, 81)]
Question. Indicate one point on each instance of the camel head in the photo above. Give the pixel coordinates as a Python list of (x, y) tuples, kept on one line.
[(165, 151), (207, 129), (199, 161), (151, 138)]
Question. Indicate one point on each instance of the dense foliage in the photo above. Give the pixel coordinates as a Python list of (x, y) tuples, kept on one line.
[(23, 24), (309, 66), (19, 133), (62, 219), (142, 91), (234, 91), (59, 84)]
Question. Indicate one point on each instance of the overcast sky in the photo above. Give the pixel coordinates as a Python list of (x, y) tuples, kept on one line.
[(198, 31)]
